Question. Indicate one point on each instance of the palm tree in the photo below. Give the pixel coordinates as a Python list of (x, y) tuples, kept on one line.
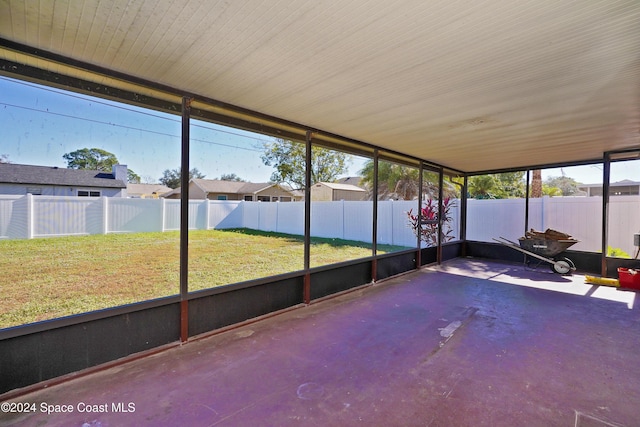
[(536, 184)]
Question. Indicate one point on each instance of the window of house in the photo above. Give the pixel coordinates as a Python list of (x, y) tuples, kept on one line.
[(88, 193), (248, 198), (285, 199), (274, 198), (264, 198), (221, 197), (36, 191)]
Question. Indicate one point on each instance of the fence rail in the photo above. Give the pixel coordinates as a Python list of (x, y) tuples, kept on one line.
[(25, 217)]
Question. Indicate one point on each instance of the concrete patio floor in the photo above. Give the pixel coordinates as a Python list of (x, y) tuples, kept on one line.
[(467, 343)]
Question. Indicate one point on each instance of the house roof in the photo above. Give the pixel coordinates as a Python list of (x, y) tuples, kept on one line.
[(353, 180), (473, 87), (343, 187), (624, 182), (11, 173), (139, 189), (231, 187)]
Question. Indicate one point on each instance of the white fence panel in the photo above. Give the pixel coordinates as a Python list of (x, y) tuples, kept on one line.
[(133, 215), (251, 215), (63, 216), (171, 215), (358, 221), (455, 213), (393, 223), (327, 220), (6, 214), (198, 214), (488, 219), (268, 219), (624, 221), (581, 217), (225, 214), (291, 218)]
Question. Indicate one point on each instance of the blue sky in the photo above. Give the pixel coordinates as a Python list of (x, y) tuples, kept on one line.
[(40, 124)]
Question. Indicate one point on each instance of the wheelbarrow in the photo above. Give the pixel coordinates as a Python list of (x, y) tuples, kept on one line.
[(545, 250)]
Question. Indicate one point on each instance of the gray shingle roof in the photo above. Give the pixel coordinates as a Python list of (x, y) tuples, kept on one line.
[(52, 175), (231, 187)]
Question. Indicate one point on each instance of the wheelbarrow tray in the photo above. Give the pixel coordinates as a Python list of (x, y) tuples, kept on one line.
[(546, 247)]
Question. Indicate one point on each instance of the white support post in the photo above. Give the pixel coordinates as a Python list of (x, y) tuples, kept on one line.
[(30, 216), (543, 208), (163, 214), (207, 213), (343, 219), (105, 214)]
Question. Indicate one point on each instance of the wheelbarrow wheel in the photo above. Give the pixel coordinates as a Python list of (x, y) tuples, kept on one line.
[(562, 266)]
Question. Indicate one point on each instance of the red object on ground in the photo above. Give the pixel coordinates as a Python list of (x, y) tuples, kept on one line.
[(629, 278)]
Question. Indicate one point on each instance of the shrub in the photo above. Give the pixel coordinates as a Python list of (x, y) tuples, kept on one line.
[(425, 225)]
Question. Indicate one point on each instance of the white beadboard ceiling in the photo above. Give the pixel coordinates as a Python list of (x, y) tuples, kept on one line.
[(471, 85)]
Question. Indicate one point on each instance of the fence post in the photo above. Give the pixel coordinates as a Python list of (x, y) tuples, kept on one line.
[(207, 213), (105, 214), (163, 214), (542, 214), (392, 224), (343, 218), (30, 213)]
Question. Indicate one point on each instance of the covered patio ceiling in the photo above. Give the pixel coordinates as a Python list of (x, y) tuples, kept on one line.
[(472, 86)]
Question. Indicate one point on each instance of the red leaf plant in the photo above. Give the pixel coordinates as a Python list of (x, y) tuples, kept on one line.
[(426, 225)]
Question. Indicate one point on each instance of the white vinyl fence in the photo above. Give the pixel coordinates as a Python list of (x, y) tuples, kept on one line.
[(46, 216), (579, 216), (30, 217)]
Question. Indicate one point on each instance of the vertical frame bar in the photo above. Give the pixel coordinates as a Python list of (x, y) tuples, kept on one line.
[(440, 214), (419, 230), (526, 203), (184, 221), (463, 215), (606, 176), (306, 292), (374, 237)]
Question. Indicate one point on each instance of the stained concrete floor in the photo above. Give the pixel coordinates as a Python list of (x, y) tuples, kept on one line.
[(467, 343)]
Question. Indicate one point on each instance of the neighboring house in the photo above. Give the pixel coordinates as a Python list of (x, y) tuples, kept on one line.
[(214, 189), (621, 188), (146, 191), (54, 181), (327, 191)]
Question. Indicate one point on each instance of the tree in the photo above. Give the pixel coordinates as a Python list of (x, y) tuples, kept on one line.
[(96, 159), (289, 160), (497, 186), (394, 180), (231, 177), (402, 182), (482, 187), (91, 158), (536, 184), (171, 178), (568, 186)]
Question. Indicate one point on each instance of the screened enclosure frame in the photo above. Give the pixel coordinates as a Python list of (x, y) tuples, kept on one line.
[(192, 314)]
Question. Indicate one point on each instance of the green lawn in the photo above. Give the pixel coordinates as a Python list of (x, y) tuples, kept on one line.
[(54, 277)]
